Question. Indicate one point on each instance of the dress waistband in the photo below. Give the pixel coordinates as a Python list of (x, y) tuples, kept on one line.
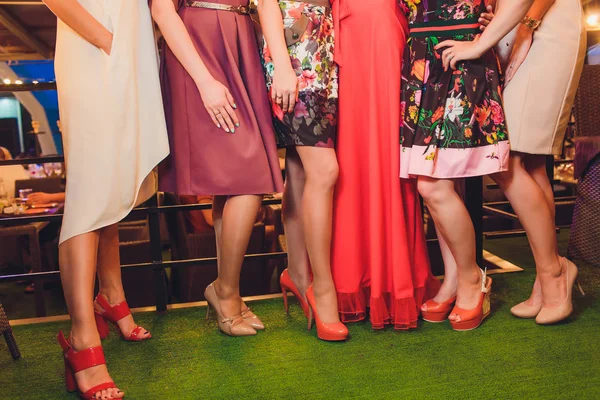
[(320, 3), (445, 28), (243, 10)]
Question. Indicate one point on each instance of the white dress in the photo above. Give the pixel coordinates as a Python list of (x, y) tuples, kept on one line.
[(112, 117), (539, 98)]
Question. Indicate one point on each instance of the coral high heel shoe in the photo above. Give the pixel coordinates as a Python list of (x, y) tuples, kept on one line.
[(76, 361), (286, 284), (330, 332), (114, 314), (232, 326), (471, 319), (552, 315), (438, 312)]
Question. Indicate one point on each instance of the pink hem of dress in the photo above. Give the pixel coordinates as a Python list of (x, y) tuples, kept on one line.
[(454, 163)]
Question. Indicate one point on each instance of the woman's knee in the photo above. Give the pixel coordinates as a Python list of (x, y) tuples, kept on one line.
[(433, 191)]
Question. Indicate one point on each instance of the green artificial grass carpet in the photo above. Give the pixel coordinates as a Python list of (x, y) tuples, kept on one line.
[(506, 358)]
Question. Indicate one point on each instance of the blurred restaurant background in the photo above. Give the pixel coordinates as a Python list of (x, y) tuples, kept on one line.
[(32, 182)]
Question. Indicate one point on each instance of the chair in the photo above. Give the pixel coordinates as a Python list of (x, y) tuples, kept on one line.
[(6, 330), (585, 228)]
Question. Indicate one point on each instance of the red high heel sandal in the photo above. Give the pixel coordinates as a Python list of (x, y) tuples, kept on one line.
[(471, 319), (286, 284), (76, 361), (438, 312), (113, 314), (330, 332)]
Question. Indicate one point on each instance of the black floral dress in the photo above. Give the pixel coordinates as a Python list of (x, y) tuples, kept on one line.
[(314, 119), (453, 121)]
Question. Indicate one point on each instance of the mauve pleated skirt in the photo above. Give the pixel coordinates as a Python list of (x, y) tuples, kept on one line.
[(206, 160)]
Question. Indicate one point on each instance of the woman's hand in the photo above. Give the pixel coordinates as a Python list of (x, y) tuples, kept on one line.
[(455, 51), (519, 52), (39, 198), (219, 104), (486, 17), (284, 90)]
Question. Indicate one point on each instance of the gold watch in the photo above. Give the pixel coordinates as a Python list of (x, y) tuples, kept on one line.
[(531, 23)]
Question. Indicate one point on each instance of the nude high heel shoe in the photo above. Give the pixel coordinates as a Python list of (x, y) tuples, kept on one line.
[(251, 319), (232, 326), (527, 311), (552, 315)]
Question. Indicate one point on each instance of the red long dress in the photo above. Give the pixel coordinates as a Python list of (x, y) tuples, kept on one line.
[(379, 254)]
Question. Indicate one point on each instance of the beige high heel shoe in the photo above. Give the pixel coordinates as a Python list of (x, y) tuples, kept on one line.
[(251, 319), (232, 326), (524, 310), (552, 315)]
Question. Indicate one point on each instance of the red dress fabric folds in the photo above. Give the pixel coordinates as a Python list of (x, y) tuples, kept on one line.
[(380, 263)]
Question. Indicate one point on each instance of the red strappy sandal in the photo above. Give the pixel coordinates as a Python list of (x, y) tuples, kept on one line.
[(113, 314), (76, 361)]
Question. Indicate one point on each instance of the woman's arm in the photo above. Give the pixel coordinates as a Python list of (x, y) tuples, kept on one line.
[(285, 83), (508, 15), (81, 21), (216, 97), (524, 37)]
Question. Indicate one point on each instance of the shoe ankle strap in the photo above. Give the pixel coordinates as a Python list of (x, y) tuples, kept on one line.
[(114, 313)]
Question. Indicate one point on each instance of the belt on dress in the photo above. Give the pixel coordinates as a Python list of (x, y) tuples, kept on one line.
[(242, 10), (444, 28)]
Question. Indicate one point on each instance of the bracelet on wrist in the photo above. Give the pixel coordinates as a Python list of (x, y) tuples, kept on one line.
[(531, 23)]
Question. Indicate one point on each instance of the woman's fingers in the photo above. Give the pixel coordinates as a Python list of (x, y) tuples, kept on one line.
[(230, 99), (232, 114), (292, 102), (446, 57), (445, 43), (213, 116), (228, 121), (221, 119), (285, 101)]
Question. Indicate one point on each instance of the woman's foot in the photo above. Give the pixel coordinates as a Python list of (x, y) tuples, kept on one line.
[(230, 320), (126, 324), (468, 293), (326, 302), (97, 375), (553, 283), (447, 291), (250, 318), (532, 306)]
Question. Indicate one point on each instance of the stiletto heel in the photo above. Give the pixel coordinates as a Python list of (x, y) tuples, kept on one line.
[(102, 326), (552, 315), (471, 319), (329, 332), (232, 326), (287, 284), (286, 305), (114, 314), (579, 287), (76, 361), (207, 311)]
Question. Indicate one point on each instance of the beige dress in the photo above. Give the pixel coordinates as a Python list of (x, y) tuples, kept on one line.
[(538, 100), (112, 117)]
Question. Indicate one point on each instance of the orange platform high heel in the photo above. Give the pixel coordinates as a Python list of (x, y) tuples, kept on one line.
[(330, 332), (286, 284), (113, 314), (76, 361), (471, 319), (438, 312)]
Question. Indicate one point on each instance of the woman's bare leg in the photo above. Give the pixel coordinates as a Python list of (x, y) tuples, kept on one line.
[(450, 284), (298, 262), (536, 166), (78, 258), (321, 171), (109, 275), (456, 228), (239, 215), (531, 206)]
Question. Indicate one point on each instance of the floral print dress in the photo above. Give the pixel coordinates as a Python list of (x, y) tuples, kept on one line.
[(453, 121), (313, 122)]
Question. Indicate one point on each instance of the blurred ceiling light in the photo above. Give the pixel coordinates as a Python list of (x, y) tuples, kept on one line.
[(18, 82), (7, 81), (593, 21), (35, 82)]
